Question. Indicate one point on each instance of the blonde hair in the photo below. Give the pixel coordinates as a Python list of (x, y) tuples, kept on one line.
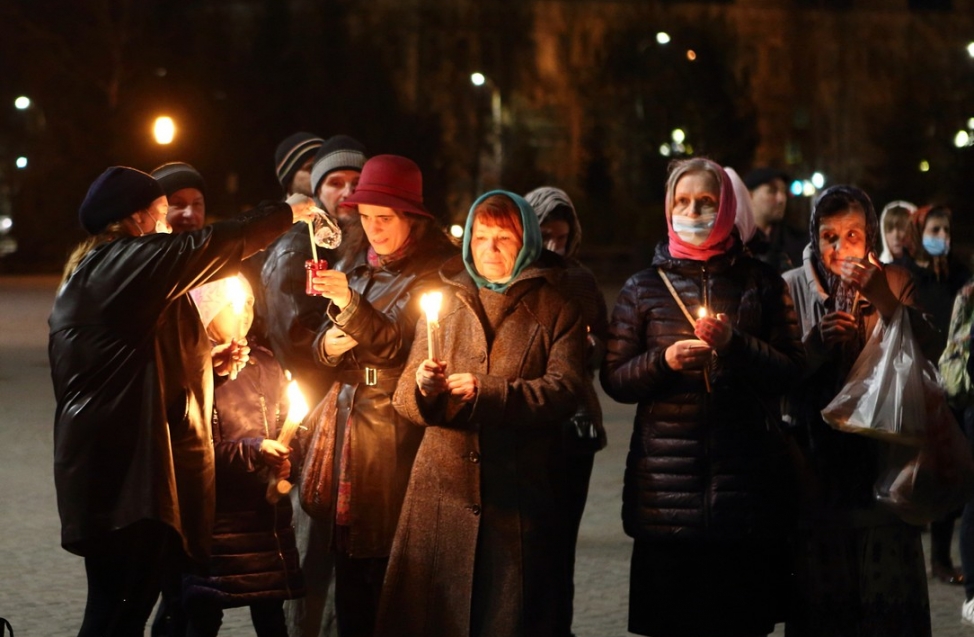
[(113, 231)]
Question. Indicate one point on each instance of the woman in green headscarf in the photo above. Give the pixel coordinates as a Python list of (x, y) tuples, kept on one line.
[(477, 550)]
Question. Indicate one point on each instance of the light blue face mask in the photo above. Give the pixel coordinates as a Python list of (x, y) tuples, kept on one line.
[(935, 246), (694, 230)]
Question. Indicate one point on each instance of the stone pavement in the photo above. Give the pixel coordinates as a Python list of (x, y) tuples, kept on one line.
[(42, 587)]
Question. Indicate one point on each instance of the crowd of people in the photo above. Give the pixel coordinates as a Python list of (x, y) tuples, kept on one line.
[(443, 468)]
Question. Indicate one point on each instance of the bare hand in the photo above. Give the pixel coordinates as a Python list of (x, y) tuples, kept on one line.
[(716, 331), (230, 358), (333, 284), (338, 342), (303, 208), (463, 386), (838, 327), (431, 377), (688, 354), (869, 278), (274, 453)]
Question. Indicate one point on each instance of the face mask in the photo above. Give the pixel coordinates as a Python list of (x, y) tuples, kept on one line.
[(935, 246), (163, 227), (552, 245), (694, 230)]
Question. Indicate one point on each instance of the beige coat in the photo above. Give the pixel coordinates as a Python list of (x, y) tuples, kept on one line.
[(477, 550)]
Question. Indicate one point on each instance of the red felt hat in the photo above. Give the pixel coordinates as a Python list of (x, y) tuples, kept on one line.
[(390, 181)]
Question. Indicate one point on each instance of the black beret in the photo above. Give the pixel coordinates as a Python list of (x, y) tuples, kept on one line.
[(117, 193), (760, 176), (177, 175)]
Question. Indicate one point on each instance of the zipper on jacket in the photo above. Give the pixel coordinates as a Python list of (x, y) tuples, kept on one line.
[(708, 436)]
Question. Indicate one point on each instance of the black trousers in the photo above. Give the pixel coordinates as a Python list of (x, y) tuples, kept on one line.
[(125, 574), (205, 618), (358, 585)]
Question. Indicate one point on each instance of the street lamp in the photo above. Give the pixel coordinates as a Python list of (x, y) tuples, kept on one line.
[(497, 114), (164, 130), (22, 103)]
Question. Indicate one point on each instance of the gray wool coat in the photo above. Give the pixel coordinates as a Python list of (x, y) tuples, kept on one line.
[(478, 546)]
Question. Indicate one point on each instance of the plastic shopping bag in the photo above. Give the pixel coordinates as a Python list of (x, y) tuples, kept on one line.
[(922, 485), (884, 394)]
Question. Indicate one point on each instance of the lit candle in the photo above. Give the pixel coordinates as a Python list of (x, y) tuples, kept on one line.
[(430, 303), (702, 313), (238, 301), (295, 415)]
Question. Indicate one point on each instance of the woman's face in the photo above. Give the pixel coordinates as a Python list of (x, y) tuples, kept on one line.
[(895, 240), (386, 229), (936, 235), (555, 235), (494, 251), (842, 236), (694, 211)]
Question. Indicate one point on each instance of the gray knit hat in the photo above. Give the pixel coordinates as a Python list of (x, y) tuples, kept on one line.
[(292, 153), (339, 152)]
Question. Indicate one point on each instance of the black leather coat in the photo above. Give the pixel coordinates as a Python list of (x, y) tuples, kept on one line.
[(382, 318), (133, 381), (698, 464)]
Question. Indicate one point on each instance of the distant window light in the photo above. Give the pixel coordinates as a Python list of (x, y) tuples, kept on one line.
[(924, 166), (21, 162)]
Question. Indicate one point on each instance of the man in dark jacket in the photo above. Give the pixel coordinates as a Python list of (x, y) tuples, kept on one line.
[(133, 380), (776, 243)]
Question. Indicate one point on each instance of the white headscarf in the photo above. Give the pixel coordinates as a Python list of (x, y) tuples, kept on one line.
[(744, 220)]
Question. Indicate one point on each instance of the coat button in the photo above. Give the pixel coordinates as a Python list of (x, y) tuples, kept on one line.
[(473, 457), (483, 357), (475, 509)]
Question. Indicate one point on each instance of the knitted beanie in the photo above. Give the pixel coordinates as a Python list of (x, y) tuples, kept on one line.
[(177, 175), (339, 152), (763, 175), (118, 192), (292, 153)]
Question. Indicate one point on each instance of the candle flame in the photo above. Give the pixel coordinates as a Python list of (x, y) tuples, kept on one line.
[(702, 312), (238, 296), (430, 302), (299, 406)]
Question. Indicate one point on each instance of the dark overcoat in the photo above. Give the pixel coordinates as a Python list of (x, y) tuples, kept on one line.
[(478, 549), (133, 381)]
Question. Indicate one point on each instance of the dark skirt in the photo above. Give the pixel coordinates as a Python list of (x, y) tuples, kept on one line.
[(693, 588)]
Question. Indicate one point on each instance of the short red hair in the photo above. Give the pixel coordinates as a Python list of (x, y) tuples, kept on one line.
[(500, 210)]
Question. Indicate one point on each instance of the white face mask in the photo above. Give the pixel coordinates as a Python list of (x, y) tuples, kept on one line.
[(694, 230), (163, 227)]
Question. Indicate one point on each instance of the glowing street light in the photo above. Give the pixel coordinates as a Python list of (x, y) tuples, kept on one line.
[(970, 49), (924, 166), (818, 180), (478, 79), (164, 130), (21, 162), (678, 135), (456, 230), (22, 103), (962, 138), (663, 37)]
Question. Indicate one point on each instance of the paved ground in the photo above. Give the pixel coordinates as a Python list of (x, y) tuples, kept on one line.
[(42, 588)]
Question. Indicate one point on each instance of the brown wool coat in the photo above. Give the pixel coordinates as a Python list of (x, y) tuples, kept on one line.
[(477, 550)]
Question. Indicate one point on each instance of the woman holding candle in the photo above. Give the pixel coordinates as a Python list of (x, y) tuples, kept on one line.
[(254, 559), (705, 342), (362, 451), (133, 379), (479, 549), (859, 568)]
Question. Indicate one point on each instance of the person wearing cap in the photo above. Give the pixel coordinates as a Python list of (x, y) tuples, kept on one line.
[(185, 195), (293, 159), (359, 460), (290, 319), (777, 243), (480, 545), (132, 372)]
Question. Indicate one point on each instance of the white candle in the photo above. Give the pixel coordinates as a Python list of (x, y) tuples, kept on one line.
[(314, 246), (238, 300), (430, 303), (295, 415)]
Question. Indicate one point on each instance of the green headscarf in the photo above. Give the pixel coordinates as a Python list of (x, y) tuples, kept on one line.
[(531, 238)]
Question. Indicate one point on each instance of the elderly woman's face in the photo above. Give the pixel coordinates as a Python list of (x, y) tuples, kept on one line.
[(494, 250), (695, 201), (842, 236), (387, 229)]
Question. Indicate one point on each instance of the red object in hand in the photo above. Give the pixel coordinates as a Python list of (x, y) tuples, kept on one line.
[(311, 268)]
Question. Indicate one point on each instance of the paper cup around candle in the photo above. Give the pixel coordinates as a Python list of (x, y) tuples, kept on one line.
[(311, 268)]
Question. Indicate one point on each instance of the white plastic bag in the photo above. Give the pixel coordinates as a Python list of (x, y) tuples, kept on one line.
[(884, 394)]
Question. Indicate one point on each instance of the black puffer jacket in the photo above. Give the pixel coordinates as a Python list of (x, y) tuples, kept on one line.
[(699, 463), (255, 557)]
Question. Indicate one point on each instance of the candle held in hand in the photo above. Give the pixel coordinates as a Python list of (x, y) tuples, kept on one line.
[(238, 301), (295, 415), (430, 303)]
